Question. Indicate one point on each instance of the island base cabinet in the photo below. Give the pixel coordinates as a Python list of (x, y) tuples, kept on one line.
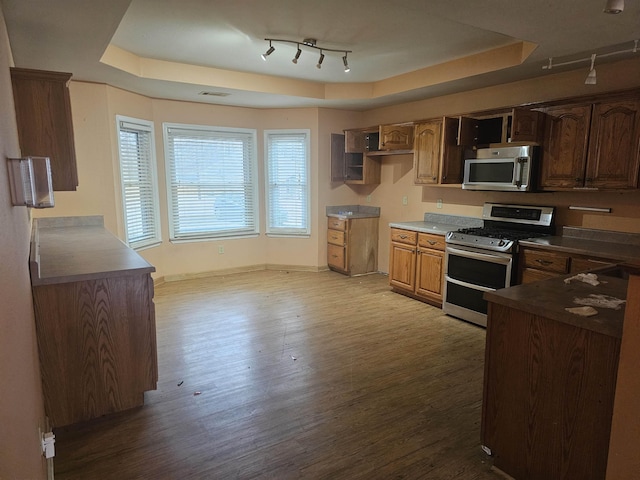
[(548, 396), (97, 346)]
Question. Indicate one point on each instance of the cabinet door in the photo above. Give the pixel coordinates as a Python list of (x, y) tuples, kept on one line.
[(43, 115), (426, 154), (452, 163), (354, 141), (429, 273), (614, 147), (402, 268), (337, 257), (396, 137), (526, 125), (564, 150), (337, 158)]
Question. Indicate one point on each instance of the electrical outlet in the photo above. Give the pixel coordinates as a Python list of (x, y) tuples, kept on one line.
[(439, 203), (369, 198), (405, 200), (221, 249)]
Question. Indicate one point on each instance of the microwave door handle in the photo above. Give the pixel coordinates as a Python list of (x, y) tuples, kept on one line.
[(520, 161)]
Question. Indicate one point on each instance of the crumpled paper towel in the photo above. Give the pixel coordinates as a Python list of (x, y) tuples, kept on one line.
[(590, 278), (604, 301), (585, 311)]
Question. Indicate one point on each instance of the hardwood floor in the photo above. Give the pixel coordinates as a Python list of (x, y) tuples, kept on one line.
[(286, 375)]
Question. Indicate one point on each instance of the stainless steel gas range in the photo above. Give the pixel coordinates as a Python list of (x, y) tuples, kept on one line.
[(484, 259)]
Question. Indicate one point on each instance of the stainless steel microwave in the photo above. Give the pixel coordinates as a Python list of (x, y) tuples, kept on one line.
[(502, 168)]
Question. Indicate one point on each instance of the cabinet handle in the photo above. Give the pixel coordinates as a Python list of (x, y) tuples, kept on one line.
[(334, 256), (431, 242), (544, 262), (403, 236)]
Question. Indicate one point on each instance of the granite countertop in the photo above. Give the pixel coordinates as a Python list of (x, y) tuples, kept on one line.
[(353, 211), (549, 298), (439, 224), (620, 246), (71, 249)]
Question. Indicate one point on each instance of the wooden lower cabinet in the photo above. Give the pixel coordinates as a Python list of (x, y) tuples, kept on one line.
[(538, 264), (416, 264), (352, 245), (548, 396), (97, 346)]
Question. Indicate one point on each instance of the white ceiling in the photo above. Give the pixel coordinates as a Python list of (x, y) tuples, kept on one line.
[(388, 38)]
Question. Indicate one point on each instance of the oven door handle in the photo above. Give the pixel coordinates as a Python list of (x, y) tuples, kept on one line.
[(472, 286), (480, 256)]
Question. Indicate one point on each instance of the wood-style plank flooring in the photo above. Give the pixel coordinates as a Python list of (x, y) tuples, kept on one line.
[(286, 375)]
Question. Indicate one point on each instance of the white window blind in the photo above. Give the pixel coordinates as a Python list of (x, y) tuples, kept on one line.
[(139, 182), (287, 177), (211, 174)]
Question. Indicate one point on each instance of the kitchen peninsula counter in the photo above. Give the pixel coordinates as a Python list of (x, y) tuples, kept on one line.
[(95, 320)]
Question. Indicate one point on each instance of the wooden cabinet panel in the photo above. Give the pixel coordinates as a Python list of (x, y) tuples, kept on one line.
[(337, 223), (427, 152), (451, 161), (96, 341), (402, 269), (355, 166), (614, 146), (527, 125), (396, 137), (404, 236), (583, 264), (335, 237), (434, 242), (548, 396), (429, 273), (45, 128), (545, 260), (564, 150), (338, 171)]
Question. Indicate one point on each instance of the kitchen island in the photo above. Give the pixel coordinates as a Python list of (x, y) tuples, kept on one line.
[(95, 319), (550, 378)]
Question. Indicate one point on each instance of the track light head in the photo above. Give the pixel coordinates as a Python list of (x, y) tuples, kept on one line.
[(346, 64), (614, 6), (268, 52), (298, 53), (320, 60)]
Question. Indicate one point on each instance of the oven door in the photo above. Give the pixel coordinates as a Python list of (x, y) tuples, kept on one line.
[(469, 272)]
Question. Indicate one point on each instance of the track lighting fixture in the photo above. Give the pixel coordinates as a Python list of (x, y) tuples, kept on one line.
[(295, 59), (308, 43), (268, 52), (614, 6), (591, 77)]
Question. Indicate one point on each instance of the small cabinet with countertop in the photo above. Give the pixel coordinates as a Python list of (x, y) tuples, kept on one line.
[(352, 239), (95, 320)]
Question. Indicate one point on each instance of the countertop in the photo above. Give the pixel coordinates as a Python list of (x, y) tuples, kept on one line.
[(620, 246), (353, 211), (439, 224), (70, 249), (549, 298)]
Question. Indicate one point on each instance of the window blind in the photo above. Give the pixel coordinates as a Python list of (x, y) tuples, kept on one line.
[(138, 182), (211, 181), (287, 172)]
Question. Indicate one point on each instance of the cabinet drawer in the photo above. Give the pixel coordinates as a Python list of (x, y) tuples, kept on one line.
[(548, 261), (337, 223), (579, 264), (404, 236), (533, 275), (335, 237), (336, 256), (427, 240)]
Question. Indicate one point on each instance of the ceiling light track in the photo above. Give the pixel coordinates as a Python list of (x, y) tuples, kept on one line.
[(308, 43), (591, 78)]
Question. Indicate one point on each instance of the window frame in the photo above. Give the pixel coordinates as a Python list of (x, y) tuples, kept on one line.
[(140, 125), (252, 162), (274, 231)]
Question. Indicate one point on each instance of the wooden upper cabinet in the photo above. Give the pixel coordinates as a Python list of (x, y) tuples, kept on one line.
[(564, 149), (526, 125), (43, 115), (396, 137), (437, 158), (426, 152), (614, 145)]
